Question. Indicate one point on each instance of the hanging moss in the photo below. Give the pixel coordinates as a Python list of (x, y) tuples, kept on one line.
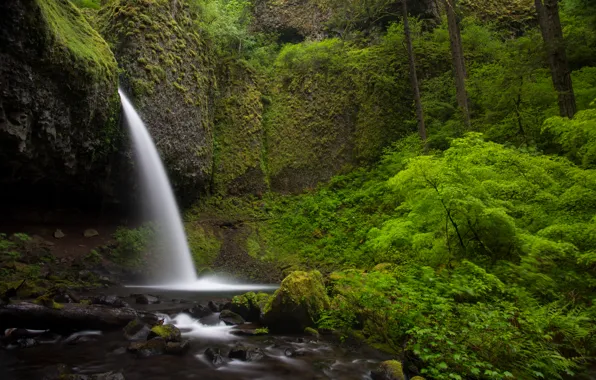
[(76, 43)]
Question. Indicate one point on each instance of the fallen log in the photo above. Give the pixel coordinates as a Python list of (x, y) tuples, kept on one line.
[(69, 317)]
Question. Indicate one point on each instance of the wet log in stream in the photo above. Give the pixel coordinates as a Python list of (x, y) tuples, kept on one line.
[(68, 317)]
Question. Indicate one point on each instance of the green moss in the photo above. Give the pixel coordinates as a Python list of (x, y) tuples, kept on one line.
[(393, 370), (75, 41), (169, 333), (47, 300), (312, 332), (301, 297), (204, 244), (262, 331)]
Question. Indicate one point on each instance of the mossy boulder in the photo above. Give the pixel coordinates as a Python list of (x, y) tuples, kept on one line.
[(250, 305), (58, 104), (136, 330), (297, 304), (389, 370), (169, 333), (417, 378)]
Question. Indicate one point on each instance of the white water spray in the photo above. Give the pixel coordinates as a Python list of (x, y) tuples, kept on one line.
[(178, 267)]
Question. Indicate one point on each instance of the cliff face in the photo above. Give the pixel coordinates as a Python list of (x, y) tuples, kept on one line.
[(57, 99), (168, 68)]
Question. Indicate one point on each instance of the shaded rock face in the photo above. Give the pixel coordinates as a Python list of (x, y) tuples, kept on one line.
[(294, 20), (57, 101), (169, 73)]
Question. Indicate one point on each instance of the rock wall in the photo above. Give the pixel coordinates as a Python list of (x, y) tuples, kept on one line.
[(57, 100), (168, 68)]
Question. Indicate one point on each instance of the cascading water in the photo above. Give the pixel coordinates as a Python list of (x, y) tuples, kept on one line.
[(178, 267)]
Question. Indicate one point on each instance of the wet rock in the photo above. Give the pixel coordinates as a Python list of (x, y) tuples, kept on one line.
[(389, 370), (169, 333), (58, 234), (113, 301), (243, 353), (90, 233), (199, 311), (152, 347), (213, 307), (230, 318), (291, 352), (297, 304), (136, 330), (177, 348), (249, 305), (246, 332), (146, 299), (225, 306), (214, 356)]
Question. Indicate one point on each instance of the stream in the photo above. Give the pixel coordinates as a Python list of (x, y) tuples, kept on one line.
[(284, 356)]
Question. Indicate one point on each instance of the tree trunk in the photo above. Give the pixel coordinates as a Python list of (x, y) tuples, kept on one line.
[(413, 76), (552, 33), (457, 56)]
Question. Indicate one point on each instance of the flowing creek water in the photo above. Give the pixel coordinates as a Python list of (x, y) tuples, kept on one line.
[(285, 357)]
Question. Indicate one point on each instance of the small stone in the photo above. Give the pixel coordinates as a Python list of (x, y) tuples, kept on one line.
[(58, 234), (90, 233)]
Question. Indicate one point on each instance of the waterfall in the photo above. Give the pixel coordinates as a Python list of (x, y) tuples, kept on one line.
[(177, 265)]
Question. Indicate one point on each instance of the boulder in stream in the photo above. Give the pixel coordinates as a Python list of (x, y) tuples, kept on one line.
[(249, 305), (246, 354), (297, 304), (152, 347), (168, 332), (230, 318), (136, 330)]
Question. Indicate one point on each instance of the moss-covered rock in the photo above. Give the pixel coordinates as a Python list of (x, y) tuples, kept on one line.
[(312, 332), (169, 333), (239, 162), (417, 378), (230, 318), (389, 370), (168, 68), (297, 304), (59, 100), (250, 305)]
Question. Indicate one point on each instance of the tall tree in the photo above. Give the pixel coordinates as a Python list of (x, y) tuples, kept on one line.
[(413, 75), (552, 33), (457, 57)]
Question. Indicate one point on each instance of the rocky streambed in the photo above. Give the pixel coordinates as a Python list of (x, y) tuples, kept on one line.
[(167, 335)]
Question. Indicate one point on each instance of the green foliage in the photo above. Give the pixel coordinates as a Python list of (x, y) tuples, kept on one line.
[(576, 137), (132, 244), (491, 251)]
